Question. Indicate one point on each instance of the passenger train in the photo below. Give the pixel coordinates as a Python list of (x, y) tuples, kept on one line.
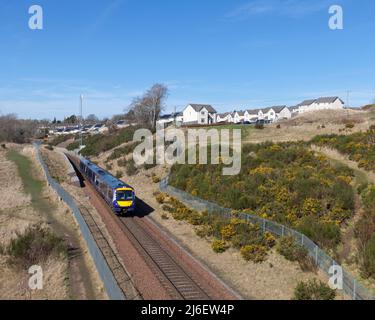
[(119, 195)]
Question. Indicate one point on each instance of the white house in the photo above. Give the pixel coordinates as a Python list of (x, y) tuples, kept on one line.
[(324, 103), (251, 115), (199, 114), (305, 106), (179, 117), (239, 116), (224, 117), (282, 112), (269, 114)]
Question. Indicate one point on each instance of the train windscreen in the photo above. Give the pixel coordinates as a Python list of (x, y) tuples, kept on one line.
[(124, 195)]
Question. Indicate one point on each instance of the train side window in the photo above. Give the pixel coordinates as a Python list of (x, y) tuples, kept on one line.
[(110, 193)]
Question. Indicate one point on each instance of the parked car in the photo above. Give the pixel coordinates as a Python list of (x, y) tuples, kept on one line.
[(121, 124), (98, 128)]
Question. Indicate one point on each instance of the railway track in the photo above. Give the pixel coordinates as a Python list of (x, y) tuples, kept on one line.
[(172, 275), (176, 272), (120, 274)]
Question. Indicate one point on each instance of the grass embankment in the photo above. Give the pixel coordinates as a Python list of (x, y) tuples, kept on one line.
[(360, 147), (31, 185), (283, 182), (96, 144), (37, 243), (246, 129), (248, 238), (60, 139)]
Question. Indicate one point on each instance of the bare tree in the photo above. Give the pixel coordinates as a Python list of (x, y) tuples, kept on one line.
[(18, 131), (147, 108)]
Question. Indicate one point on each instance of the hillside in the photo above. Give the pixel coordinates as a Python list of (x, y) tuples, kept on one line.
[(286, 182), (306, 126)]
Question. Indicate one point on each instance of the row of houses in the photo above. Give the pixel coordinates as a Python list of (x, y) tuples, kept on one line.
[(325, 103), (205, 114), (268, 115)]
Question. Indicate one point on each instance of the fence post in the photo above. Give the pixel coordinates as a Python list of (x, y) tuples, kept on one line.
[(354, 289), (264, 225), (303, 240), (316, 255), (282, 231)]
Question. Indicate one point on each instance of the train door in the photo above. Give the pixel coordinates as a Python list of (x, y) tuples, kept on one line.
[(96, 181), (110, 195)]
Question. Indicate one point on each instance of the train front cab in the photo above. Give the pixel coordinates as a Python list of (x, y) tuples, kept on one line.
[(124, 200)]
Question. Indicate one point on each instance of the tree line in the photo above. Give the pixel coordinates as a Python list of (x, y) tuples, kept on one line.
[(144, 111)]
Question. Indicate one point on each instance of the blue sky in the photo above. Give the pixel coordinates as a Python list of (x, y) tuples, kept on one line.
[(228, 53)]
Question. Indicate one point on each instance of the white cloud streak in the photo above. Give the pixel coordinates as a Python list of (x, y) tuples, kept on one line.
[(288, 8)]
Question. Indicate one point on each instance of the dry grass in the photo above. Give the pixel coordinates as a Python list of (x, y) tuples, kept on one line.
[(60, 274), (85, 272), (306, 126), (16, 216)]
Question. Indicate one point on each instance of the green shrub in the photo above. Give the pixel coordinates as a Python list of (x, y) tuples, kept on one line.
[(168, 208), (73, 146), (204, 231), (60, 139), (254, 253), (122, 152), (122, 163), (164, 216), (228, 232), (362, 187), (360, 146), (195, 218), (313, 290), (288, 247), (283, 182), (160, 198), (219, 246), (325, 234), (34, 246), (247, 234), (365, 232), (131, 168), (99, 143), (349, 125), (367, 261), (155, 179)]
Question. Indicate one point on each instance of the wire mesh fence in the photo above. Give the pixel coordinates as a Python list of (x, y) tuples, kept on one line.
[(354, 289), (111, 286)]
